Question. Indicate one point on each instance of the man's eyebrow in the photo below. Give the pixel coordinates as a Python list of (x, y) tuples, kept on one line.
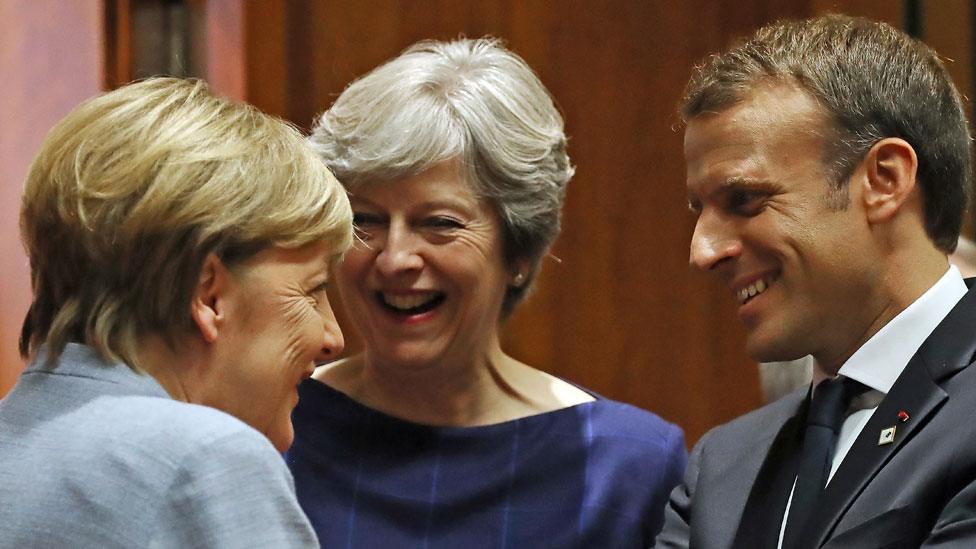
[(735, 182), (728, 184)]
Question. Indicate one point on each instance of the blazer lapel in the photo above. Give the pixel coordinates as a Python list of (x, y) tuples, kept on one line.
[(759, 526), (914, 392), (948, 349)]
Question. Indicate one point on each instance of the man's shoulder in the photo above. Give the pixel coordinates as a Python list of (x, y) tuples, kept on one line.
[(758, 425)]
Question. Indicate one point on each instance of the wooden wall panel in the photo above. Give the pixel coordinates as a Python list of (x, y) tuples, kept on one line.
[(619, 311), (227, 48), (50, 59), (888, 11), (947, 26)]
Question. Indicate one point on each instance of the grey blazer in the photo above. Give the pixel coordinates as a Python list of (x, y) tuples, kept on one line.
[(919, 490), (95, 455)]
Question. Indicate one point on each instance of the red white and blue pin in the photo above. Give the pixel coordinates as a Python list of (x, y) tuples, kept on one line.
[(887, 435)]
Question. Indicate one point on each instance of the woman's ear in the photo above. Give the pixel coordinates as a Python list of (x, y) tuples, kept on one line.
[(520, 273), (890, 171), (207, 303)]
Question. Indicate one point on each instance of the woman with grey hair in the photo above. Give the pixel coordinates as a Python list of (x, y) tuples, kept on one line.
[(454, 158), (179, 248)]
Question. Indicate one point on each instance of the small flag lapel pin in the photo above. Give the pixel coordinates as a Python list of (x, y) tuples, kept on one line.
[(903, 416), (887, 436)]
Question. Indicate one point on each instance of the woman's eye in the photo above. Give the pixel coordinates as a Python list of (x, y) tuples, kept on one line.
[(443, 222), (364, 223), (318, 292), (363, 220), (320, 289)]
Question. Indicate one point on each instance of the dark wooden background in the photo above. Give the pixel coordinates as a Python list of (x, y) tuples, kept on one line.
[(619, 311)]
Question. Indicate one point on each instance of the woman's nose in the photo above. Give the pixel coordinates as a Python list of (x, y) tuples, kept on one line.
[(332, 341), (399, 252)]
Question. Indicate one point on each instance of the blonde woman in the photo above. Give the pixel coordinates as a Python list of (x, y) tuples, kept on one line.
[(179, 245)]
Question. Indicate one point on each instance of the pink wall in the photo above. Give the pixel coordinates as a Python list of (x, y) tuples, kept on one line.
[(50, 60)]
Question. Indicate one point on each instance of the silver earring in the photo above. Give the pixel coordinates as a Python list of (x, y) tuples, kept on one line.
[(519, 279)]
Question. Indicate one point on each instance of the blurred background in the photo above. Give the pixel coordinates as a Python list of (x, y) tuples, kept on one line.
[(616, 308)]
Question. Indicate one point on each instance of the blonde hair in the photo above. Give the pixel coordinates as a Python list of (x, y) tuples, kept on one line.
[(134, 188)]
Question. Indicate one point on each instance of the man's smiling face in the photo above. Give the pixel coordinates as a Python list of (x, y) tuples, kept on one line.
[(795, 252)]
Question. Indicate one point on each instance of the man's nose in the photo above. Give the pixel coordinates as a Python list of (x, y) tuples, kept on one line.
[(713, 243)]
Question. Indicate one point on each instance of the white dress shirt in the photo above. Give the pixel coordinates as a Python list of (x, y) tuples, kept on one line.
[(879, 362)]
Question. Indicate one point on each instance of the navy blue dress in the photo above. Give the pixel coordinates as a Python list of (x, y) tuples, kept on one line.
[(592, 475)]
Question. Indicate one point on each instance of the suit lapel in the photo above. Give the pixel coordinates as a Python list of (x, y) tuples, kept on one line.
[(914, 392), (948, 349), (758, 526)]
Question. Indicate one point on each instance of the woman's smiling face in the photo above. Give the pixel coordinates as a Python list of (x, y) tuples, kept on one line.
[(426, 282), (277, 323)]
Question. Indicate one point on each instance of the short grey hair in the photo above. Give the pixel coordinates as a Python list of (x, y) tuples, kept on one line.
[(470, 100)]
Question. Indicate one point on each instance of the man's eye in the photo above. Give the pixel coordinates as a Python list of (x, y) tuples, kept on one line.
[(747, 203)]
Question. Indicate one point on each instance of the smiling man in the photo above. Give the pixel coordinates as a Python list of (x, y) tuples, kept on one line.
[(828, 166)]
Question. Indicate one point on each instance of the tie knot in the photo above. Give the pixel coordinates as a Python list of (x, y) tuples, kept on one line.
[(830, 401)]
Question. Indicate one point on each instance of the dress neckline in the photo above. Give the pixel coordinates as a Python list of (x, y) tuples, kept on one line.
[(343, 402)]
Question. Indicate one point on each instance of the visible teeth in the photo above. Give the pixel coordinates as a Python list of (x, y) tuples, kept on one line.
[(752, 290), (408, 301)]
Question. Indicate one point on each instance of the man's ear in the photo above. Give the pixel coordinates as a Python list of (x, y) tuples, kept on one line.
[(207, 303), (890, 170)]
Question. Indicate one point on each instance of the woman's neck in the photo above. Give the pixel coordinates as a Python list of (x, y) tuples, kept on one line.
[(158, 360), (490, 388)]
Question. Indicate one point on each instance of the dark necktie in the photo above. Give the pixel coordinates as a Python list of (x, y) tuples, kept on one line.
[(824, 418)]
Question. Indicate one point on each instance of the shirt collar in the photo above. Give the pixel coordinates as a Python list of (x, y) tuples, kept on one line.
[(880, 361)]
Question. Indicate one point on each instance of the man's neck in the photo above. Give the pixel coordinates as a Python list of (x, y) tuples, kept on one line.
[(900, 286)]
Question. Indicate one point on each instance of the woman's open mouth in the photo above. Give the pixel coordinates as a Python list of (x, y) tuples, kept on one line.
[(411, 304)]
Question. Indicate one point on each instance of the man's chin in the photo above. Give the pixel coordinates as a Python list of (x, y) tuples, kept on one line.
[(772, 351)]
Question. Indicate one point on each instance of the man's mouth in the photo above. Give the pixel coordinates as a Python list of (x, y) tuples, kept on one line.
[(752, 290), (411, 304)]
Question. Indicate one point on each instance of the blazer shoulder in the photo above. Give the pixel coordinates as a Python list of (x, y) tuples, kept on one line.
[(760, 424)]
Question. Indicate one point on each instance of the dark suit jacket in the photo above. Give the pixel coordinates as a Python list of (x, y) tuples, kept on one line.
[(919, 490)]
